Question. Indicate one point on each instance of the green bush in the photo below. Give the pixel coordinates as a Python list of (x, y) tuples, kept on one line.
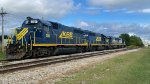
[(132, 41)]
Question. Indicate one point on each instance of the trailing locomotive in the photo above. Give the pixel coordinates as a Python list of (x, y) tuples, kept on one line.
[(37, 38)]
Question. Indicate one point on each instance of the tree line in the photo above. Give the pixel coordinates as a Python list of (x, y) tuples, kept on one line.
[(132, 40), (5, 37)]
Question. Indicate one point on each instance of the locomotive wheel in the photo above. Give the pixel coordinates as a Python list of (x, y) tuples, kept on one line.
[(34, 53), (79, 50)]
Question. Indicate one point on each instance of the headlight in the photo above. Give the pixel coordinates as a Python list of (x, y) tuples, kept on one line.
[(27, 22), (34, 21)]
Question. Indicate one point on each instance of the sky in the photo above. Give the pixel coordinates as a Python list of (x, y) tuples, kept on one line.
[(109, 17)]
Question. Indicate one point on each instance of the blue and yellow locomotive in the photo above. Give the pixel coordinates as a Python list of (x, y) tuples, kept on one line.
[(37, 38)]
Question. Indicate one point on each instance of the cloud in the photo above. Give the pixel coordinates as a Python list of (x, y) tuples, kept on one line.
[(131, 34), (18, 10), (145, 10), (141, 6), (139, 11), (146, 42), (115, 29), (83, 24), (51, 8), (107, 3)]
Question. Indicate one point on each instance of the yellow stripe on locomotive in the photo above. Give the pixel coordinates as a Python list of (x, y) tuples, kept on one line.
[(22, 34)]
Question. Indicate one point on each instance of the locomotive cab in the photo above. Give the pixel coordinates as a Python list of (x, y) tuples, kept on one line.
[(24, 38), (32, 31)]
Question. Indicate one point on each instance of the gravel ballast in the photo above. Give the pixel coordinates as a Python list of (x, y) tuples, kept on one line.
[(51, 73)]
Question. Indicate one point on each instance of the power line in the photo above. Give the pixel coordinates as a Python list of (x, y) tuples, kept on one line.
[(2, 15), (16, 16)]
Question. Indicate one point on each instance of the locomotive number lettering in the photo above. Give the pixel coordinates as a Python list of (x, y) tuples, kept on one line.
[(98, 38), (107, 40), (68, 35)]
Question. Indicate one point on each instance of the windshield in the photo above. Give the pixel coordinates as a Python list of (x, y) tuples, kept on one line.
[(30, 22)]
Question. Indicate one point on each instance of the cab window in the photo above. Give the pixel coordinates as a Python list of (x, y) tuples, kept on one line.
[(55, 25), (45, 27)]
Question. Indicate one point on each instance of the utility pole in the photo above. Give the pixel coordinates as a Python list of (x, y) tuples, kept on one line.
[(42, 18), (2, 13)]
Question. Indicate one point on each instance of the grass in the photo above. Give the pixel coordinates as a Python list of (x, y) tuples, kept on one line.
[(132, 46), (131, 68), (2, 57)]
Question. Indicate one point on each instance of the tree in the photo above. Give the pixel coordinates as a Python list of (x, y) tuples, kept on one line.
[(5, 37), (126, 37), (132, 40)]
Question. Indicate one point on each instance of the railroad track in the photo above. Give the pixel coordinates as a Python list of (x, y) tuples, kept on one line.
[(21, 65)]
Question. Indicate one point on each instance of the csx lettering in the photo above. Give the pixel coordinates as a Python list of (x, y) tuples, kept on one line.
[(64, 34)]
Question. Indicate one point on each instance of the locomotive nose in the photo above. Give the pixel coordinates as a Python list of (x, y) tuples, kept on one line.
[(14, 52), (22, 33)]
